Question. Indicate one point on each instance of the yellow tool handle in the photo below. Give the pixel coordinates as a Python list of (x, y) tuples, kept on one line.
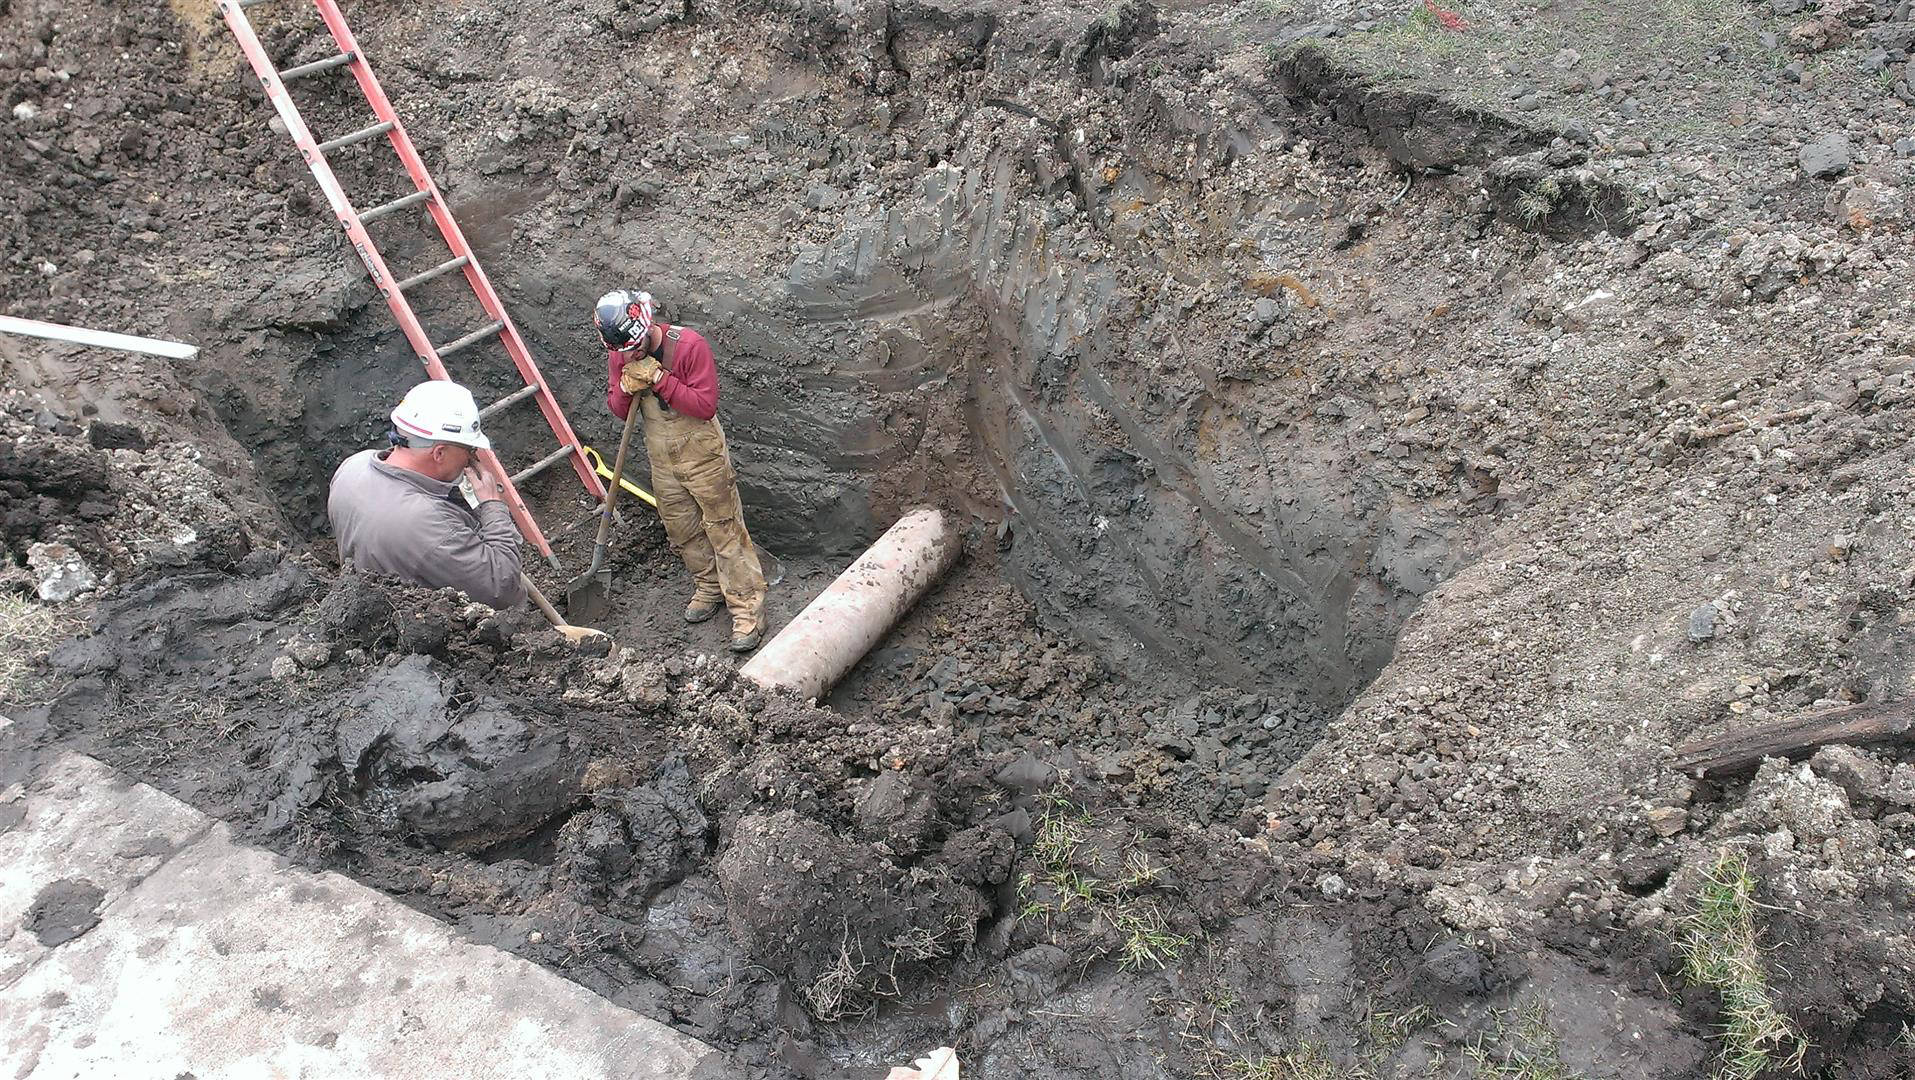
[(604, 470)]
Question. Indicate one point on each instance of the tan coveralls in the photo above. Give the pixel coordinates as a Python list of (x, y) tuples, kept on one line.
[(698, 501)]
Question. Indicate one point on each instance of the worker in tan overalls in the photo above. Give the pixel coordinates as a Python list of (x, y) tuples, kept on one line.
[(670, 371)]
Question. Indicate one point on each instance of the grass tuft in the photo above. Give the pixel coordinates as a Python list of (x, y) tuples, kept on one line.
[(1524, 1048), (1378, 1037), (1721, 950), (1533, 207), (1064, 881), (1306, 1061), (29, 628)]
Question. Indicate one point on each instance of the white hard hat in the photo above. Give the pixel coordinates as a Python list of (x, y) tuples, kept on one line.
[(442, 411)]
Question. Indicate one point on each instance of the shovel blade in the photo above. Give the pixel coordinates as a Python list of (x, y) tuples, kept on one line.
[(585, 597), (587, 640)]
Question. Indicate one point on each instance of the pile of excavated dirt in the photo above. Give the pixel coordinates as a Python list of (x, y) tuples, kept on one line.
[(774, 877), (1385, 434), (85, 501)]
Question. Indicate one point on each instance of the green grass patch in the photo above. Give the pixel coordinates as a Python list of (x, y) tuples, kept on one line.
[(1414, 45), (1384, 1033), (1308, 1061), (1070, 877), (1721, 950), (1378, 1036), (1523, 1048)]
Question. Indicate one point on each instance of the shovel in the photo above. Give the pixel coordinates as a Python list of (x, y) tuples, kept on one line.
[(574, 634), (772, 567), (585, 596)]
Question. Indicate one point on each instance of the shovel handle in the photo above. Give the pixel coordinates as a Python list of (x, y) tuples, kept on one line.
[(573, 634), (611, 490), (551, 613)]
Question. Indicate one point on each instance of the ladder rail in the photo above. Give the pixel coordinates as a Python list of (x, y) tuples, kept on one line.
[(475, 275), (361, 240)]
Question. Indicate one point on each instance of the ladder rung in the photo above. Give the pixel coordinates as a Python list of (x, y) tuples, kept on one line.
[(443, 268), (252, 3), (542, 464), (471, 339), (359, 136), (395, 205), (317, 66), (509, 400)]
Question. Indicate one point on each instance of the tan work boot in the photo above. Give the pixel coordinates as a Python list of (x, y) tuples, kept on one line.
[(746, 633), (701, 609)]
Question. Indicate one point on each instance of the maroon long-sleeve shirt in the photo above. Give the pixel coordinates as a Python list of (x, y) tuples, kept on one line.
[(690, 385)]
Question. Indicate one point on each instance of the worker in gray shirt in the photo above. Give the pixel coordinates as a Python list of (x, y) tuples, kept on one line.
[(400, 511)]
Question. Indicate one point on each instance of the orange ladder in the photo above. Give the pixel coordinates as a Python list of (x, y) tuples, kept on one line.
[(499, 325)]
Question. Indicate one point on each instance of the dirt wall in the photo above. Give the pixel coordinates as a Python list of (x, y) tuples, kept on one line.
[(889, 332)]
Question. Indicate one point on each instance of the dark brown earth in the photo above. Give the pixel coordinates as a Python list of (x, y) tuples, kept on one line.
[(1378, 446), (675, 840)]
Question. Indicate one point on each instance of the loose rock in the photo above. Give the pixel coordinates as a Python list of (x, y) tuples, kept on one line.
[(61, 573), (1826, 157)]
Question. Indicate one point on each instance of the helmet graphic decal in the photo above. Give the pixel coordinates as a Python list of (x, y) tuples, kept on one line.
[(623, 318)]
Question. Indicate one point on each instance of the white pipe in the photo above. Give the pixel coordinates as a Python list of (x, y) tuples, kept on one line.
[(100, 338), (834, 631)]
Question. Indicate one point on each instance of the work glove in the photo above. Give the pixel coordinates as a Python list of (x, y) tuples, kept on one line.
[(640, 374)]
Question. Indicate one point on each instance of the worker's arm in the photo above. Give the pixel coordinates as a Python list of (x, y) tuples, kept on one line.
[(691, 387), (616, 399), (484, 561)]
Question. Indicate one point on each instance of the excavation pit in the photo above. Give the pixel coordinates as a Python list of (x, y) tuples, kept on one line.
[(634, 821), (1366, 484)]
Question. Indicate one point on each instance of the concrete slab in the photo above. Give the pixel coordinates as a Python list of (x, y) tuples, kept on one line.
[(80, 822), (223, 961)]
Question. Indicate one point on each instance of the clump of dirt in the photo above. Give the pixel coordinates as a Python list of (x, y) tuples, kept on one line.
[(835, 916), (736, 862), (48, 482), (634, 839), (109, 500), (469, 781), (1001, 681), (64, 910)]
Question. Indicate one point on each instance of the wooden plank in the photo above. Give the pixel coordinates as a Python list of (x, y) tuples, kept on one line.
[(1798, 736), (98, 338)]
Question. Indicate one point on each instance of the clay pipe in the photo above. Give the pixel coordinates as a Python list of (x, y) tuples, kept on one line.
[(837, 628)]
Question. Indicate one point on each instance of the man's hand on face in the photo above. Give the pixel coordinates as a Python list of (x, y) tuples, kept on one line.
[(487, 489), (640, 374)]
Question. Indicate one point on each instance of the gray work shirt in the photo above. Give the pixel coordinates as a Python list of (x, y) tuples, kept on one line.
[(395, 521)]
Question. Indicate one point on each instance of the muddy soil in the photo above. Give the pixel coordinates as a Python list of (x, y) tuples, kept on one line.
[(1381, 441), (746, 866)]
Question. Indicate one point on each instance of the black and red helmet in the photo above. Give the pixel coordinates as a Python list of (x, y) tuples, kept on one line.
[(624, 318)]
